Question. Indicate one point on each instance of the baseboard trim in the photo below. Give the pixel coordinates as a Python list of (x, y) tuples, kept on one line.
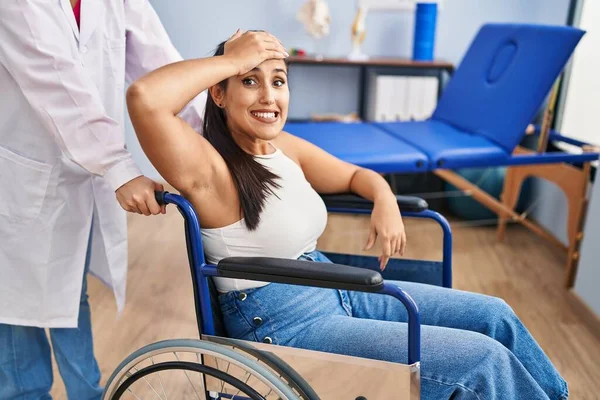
[(589, 317)]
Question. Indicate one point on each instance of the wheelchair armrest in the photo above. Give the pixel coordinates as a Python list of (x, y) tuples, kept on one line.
[(405, 203), (306, 273)]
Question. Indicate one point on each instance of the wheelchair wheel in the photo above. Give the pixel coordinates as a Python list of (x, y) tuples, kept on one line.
[(195, 369), (276, 364)]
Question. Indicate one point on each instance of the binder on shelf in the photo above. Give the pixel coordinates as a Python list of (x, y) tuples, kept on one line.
[(402, 98)]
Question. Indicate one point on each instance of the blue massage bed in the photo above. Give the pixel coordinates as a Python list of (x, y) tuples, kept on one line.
[(479, 121)]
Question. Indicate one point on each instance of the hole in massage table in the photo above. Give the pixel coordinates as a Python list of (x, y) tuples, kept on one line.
[(501, 61)]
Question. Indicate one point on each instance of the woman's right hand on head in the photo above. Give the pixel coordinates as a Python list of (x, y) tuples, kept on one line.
[(249, 49)]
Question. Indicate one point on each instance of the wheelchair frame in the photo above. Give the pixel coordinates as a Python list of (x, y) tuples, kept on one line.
[(364, 276), (201, 271)]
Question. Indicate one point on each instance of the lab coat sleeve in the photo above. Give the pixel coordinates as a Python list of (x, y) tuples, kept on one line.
[(149, 47), (34, 37)]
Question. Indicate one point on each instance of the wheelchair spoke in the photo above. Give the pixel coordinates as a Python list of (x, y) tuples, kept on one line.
[(160, 380), (226, 371), (151, 387), (188, 378), (131, 391), (247, 376)]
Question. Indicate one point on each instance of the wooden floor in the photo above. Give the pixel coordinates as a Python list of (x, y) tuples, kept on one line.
[(524, 270)]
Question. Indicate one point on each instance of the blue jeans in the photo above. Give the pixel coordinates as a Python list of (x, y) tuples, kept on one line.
[(473, 346), (26, 364)]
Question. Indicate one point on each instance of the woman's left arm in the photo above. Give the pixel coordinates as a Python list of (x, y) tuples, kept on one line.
[(328, 174)]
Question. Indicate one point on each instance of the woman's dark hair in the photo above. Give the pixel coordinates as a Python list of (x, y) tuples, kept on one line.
[(253, 181)]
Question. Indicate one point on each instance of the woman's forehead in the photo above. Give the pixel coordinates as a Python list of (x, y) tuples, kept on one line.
[(271, 66)]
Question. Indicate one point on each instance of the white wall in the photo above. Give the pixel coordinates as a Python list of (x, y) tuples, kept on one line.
[(580, 121), (582, 101), (588, 273)]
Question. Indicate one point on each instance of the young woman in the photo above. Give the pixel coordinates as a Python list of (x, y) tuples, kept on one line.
[(255, 190)]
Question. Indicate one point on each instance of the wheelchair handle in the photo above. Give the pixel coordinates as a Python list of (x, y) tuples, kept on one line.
[(160, 197)]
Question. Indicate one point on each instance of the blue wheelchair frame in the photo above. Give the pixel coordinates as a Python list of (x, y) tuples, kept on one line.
[(201, 271)]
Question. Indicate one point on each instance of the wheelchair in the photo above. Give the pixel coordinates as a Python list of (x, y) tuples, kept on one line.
[(216, 367)]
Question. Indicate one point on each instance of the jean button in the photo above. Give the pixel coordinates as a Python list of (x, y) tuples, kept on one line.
[(267, 340), (257, 321), (242, 296)]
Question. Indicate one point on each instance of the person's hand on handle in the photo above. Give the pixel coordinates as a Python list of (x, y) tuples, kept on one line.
[(387, 225), (249, 49), (137, 196)]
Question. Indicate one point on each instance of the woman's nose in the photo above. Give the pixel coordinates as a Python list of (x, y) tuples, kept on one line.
[(267, 96)]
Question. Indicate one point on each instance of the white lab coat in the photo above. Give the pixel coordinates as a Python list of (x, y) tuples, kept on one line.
[(62, 152)]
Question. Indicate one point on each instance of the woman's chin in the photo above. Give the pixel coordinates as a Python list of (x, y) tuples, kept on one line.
[(267, 132)]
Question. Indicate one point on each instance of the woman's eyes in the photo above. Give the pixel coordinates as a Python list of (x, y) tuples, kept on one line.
[(252, 82)]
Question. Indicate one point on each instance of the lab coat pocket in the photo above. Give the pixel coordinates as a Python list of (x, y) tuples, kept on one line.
[(23, 186)]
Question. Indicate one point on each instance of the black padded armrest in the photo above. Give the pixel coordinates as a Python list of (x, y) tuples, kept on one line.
[(306, 273), (406, 203)]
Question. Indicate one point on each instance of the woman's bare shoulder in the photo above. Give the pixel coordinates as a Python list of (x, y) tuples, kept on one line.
[(289, 144)]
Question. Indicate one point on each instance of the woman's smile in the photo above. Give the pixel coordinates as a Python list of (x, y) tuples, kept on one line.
[(265, 116)]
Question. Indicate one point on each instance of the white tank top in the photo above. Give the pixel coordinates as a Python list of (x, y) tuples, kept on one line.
[(290, 224)]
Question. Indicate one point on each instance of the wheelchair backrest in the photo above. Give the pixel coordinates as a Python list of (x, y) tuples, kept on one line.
[(503, 79)]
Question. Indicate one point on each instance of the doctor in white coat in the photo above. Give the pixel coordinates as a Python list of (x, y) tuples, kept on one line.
[(66, 177)]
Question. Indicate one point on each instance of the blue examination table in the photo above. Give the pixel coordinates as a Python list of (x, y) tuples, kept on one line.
[(479, 121)]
